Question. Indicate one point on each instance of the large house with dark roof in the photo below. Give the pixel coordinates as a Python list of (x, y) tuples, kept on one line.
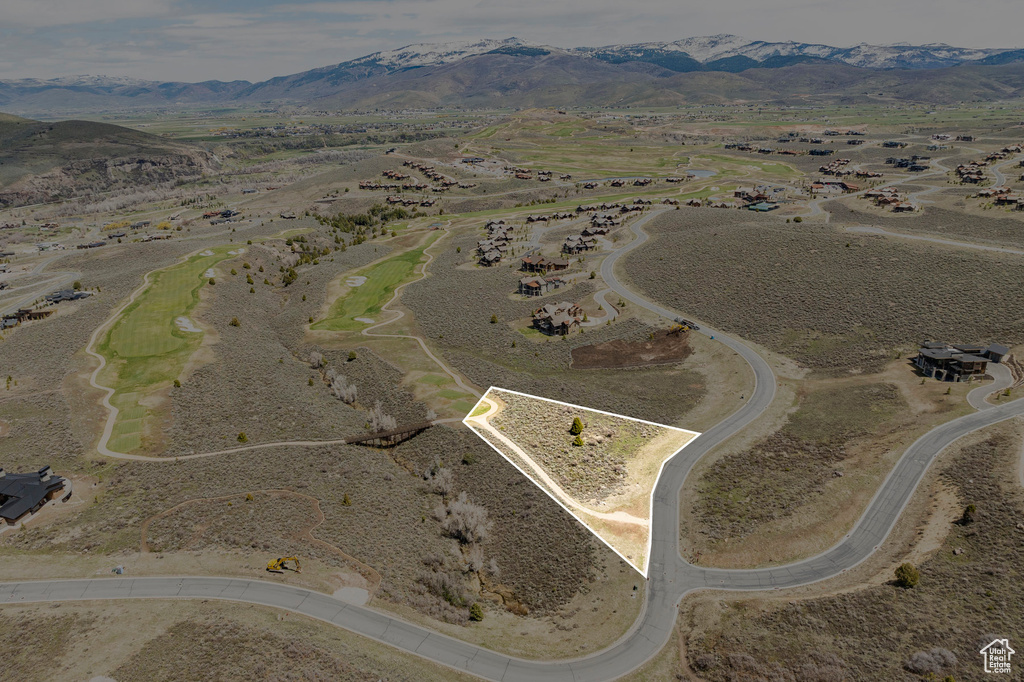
[(957, 362), (24, 494), (558, 319)]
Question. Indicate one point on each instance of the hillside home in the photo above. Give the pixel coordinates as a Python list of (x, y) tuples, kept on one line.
[(558, 319)]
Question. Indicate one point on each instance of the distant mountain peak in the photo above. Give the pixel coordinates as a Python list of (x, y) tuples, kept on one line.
[(435, 54)]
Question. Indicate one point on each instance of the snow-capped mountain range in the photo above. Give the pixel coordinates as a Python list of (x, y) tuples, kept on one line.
[(514, 72), (704, 50)]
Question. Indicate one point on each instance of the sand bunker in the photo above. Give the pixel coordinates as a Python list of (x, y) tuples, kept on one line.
[(206, 253), (356, 281), (186, 325), (209, 273), (236, 252), (367, 320)]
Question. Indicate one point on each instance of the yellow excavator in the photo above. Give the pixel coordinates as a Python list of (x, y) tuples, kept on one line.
[(280, 565)]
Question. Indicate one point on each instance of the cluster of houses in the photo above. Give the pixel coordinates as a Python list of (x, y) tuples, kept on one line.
[(826, 186), (639, 182), (761, 198), (11, 320), (748, 147), (92, 245), (226, 213), (1002, 196), (578, 244), (226, 216), (24, 494), (542, 283), (914, 163), (558, 319), (957, 362), (429, 171), (374, 185), (492, 249), (394, 175), (546, 176), (1006, 151), (836, 167), (890, 197), (23, 315), (410, 202), (972, 172), (546, 218)]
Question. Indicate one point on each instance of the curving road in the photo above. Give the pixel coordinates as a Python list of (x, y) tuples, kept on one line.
[(670, 576)]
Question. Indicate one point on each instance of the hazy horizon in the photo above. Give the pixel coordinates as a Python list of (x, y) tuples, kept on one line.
[(184, 40)]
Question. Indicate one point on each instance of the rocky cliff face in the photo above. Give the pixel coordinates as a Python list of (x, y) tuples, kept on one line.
[(92, 176)]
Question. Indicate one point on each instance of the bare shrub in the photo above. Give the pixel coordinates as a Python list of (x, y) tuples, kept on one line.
[(467, 522), (316, 360), (343, 390), (447, 585), (475, 558), (934, 660), (380, 420), (444, 482)]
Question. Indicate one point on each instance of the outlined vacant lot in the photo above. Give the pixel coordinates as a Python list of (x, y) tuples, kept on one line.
[(601, 467)]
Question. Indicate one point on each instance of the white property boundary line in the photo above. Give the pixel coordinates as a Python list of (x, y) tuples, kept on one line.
[(650, 536)]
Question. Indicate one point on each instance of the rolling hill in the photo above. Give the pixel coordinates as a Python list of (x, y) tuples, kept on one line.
[(47, 161)]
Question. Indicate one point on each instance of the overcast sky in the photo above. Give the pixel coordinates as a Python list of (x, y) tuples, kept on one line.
[(256, 39)]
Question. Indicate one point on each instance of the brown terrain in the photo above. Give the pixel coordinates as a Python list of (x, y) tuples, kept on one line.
[(662, 347)]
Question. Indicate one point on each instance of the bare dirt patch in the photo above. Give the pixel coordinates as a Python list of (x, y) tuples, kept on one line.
[(661, 348)]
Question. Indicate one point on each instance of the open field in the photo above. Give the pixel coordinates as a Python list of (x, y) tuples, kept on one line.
[(143, 640), (966, 597), (880, 297)]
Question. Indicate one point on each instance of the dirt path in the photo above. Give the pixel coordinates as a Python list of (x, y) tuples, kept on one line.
[(482, 422)]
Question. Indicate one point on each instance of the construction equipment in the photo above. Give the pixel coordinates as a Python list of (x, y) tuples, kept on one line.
[(279, 565)]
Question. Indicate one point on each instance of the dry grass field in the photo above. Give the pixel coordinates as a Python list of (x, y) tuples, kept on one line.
[(966, 596), (793, 487), (144, 640), (597, 470), (952, 217), (849, 303)]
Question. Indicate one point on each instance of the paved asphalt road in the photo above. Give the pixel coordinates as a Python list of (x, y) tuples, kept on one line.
[(670, 576)]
